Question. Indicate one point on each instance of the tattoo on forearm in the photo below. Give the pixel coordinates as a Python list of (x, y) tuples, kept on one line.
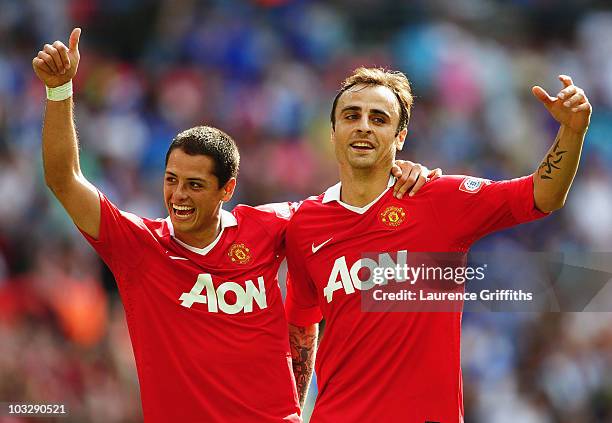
[(303, 347), (552, 161)]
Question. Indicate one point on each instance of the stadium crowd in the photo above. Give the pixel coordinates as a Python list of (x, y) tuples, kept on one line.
[(265, 71)]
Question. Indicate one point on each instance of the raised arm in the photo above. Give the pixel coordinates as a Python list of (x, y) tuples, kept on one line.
[(554, 176), (55, 66), (303, 342)]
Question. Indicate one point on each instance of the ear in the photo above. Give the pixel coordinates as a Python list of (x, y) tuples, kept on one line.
[(401, 137), (228, 190), (332, 137)]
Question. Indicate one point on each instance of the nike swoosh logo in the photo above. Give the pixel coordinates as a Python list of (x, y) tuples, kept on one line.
[(178, 258), (318, 247)]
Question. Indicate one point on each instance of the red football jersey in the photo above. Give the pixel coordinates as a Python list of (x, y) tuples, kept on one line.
[(389, 367), (207, 326)]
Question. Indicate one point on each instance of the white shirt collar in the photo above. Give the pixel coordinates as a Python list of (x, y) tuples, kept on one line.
[(227, 220), (333, 194)]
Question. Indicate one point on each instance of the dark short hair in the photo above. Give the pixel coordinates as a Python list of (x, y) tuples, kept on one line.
[(211, 142), (396, 81)]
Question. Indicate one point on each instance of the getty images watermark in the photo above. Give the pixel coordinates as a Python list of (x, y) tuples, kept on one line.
[(402, 273), (404, 281)]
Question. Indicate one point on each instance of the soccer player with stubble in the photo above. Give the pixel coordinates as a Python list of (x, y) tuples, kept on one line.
[(400, 367), (200, 290)]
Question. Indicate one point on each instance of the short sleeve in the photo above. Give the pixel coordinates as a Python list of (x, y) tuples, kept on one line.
[(119, 242), (471, 208), (302, 303)]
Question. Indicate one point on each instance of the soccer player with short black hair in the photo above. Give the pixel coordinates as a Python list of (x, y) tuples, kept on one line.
[(200, 291), (399, 367)]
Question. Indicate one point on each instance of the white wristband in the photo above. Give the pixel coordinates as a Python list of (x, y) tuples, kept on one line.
[(60, 93)]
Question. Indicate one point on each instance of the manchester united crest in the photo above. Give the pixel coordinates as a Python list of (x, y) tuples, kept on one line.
[(393, 216), (239, 253)]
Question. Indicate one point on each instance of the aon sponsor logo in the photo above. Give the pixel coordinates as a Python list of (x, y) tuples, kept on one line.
[(343, 277), (217, 300)]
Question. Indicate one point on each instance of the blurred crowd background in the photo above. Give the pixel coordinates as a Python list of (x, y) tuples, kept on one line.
[(265, 71)]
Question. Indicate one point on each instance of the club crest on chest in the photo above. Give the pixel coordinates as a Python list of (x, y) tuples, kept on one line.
[(239, 253), (392, 216)]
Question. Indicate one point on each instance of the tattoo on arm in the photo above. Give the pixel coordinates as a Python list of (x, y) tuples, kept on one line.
[(303, 341), (551, 161)]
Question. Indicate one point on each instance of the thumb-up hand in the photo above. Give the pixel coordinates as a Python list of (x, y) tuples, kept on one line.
[(57, 64)]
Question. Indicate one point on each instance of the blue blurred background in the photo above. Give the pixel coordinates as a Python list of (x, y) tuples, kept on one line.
[(265, 71)]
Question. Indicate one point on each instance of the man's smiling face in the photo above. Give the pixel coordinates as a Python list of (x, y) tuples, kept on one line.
[(192, 194), (365, 134)]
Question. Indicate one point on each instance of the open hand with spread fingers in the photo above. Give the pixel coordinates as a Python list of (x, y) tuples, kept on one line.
[(571, 107), (57, 64)]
